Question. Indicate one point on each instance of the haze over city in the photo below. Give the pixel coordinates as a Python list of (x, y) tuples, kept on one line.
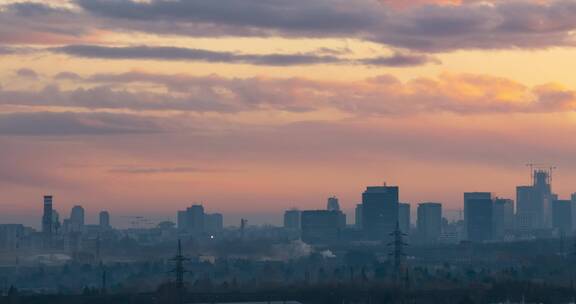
[(280, 148)]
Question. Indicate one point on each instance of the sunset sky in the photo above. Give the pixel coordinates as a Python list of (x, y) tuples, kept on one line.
[(143, 107)]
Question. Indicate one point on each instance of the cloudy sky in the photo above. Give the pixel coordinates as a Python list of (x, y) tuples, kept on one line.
[(143, 107)]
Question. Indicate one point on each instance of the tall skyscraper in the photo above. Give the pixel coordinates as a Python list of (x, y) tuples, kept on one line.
[(429, 222), (503, 217), (379, 211), (104, 220), (404, 217), (358, 216), (562, 216), (534, 202), (333, 204), (47, 216), (478, 216), (292, 219)]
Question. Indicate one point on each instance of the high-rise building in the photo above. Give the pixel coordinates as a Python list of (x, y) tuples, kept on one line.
[(47, 216), (182, 220), (192, 220), (478, 216), (358, 216), (404, 217), (292, 219), (320, 226), (534, 202), (333, 204), (77, 216), (214, 223), (379, 211), (503, 217), (104, 220), (429, 222), (562, 216)]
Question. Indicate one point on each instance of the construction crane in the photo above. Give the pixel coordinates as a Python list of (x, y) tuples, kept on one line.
[(548, 168)]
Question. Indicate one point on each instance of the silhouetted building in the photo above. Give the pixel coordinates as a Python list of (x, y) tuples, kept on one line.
[(478, 216), (534, 203), (429, 222), (77, 219), (47, 217), (333, 204), (503, 217), (292, 219), (319, 226), (562, 216), (358, 216), (379, 211), (192, 220), (11, 236), (104, 220), (404, 217), (214, 223)]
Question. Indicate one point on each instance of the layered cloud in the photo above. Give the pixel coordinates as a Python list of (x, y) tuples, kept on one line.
[(73, 124), (499, 25), (433, 27), (385, 95), (188, 54)]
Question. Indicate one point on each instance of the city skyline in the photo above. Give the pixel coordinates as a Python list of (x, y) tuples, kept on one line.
[(332, 201), (287, 151)]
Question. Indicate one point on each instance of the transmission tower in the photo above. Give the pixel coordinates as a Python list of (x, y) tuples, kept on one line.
[(179, 270), (397, 252)]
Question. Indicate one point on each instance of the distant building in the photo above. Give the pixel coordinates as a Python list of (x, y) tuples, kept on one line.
[(452, 233), (214, 223), (358, 216), (320, 226), (192, 220), (562, 216), (104, 220), (333, 204), (11, 236), (77, 219), (404, 217), (534, 202), (379, 211), (478, 216), (292, 219), (47, 216), (429, 222), (503, 217)]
